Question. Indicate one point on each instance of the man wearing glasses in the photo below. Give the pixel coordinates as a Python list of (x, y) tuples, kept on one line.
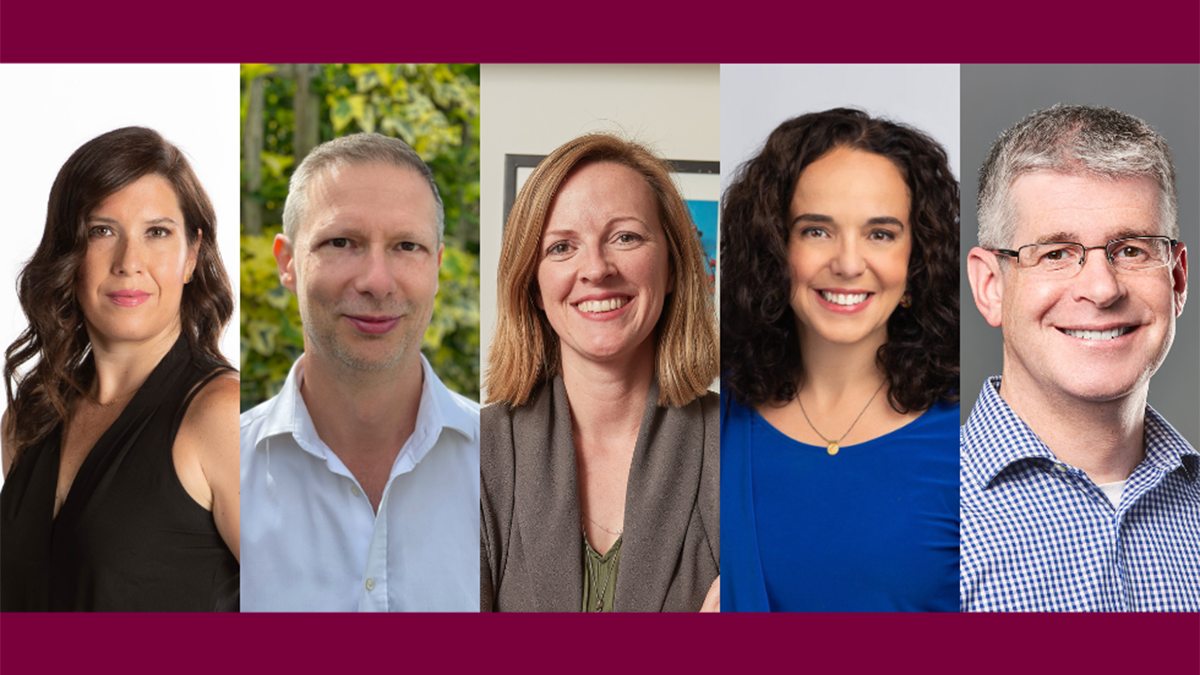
[(1076, 495)]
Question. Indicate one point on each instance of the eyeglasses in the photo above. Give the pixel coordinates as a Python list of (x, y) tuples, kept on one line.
[(1064, 259)]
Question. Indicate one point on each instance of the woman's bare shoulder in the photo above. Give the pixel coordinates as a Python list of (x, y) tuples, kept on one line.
[(213, 413)]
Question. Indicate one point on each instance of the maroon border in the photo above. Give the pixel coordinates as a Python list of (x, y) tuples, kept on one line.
[(1025, 31), (627, 31), (271, 643)]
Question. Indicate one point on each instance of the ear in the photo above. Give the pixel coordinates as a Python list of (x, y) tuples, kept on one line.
[(193, 254), (1179, 277), (987, 284), (436, 277), (285, 259)]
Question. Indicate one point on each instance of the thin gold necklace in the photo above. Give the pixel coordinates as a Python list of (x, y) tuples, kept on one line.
[(831, 445), (619, 531)]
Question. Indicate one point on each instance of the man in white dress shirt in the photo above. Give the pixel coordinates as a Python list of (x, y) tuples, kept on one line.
[(360, 480)]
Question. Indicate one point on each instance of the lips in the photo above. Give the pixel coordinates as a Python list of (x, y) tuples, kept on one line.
[(373, 325), (128, 298)]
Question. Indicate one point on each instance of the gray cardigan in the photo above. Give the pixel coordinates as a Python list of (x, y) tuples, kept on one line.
[(530, 549)]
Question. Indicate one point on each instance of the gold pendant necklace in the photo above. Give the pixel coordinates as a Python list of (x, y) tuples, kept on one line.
[(832, 445)]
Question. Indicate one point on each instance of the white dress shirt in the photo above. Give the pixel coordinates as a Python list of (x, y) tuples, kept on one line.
[(310, 539)]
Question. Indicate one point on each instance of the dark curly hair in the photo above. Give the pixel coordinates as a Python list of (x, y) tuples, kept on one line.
[(760, 342), (56, 340)]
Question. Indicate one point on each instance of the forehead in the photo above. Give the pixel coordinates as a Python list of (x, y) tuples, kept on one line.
[(597, 193), (1082, 208), (150, 196), (849, 178), (379, 197)]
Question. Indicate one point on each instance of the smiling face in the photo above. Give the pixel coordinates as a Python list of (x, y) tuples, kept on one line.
[(1099, 335), (848, 246), (604, 268), (364, 265), (138, 258)]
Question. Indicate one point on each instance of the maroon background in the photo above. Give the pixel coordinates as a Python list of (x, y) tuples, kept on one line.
[(1027, 31), (631, 31)]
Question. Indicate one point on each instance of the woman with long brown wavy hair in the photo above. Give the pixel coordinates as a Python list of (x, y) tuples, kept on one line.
[(599, 453), (120, 438)]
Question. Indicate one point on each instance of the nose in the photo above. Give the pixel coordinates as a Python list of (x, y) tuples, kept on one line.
[(848, 262), (129, 258), (1097, 282), (375, 275), (597, 263)]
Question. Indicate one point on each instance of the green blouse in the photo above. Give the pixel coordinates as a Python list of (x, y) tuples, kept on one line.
[(600, 575)]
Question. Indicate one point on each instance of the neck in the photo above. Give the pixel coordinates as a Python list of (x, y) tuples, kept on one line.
[(1105, 439), (361, 412), (608, 398), (122, 367), (833, 371)]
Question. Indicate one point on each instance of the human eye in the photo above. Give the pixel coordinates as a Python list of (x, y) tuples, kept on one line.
[(1054, 256), (97, 231), (158, 232), (559, 249), (338, 242), (409, 246), (882, 235), (628, 238), (1133, 250), (814, 232)]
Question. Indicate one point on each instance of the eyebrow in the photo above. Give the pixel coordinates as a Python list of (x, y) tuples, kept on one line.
[(1063, 237), (572, 232), (821, 218), (156, 221)]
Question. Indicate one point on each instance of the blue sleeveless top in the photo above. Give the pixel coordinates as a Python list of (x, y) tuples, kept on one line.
[(871, 529)]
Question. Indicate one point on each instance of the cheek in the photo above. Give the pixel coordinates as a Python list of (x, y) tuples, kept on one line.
[(547, 286), (802, 266)]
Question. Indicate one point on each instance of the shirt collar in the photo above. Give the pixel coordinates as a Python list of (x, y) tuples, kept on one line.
[(995, 438), (287, 413)]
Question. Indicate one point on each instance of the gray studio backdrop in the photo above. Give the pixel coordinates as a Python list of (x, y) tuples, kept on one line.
[(994, 97)]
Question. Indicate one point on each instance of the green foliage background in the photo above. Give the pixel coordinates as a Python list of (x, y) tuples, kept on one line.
[(435, 109)]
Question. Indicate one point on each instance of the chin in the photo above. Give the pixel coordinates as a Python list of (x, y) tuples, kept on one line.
[(1105, 389)]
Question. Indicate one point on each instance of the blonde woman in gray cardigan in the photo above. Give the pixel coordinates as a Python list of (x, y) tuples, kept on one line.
[(600, 449)]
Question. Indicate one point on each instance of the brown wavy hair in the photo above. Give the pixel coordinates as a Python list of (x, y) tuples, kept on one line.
[(760, 342), (56, 340), (525, 351)]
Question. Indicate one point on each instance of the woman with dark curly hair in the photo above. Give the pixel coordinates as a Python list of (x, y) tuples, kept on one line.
[(839, 350), (120, 438)]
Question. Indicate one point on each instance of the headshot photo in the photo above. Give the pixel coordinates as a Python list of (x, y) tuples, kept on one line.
[(120, 485), (1078, 492), (839, 339), (600, 456), (360, 470)]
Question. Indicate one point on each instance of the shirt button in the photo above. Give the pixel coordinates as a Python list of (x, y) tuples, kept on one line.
[(355, 491), (1060, 467), (370, 584)]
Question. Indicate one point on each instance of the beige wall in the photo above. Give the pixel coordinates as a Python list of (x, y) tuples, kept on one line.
[(533, 109)]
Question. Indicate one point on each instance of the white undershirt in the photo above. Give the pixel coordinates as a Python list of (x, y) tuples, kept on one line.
[(1113, 491)]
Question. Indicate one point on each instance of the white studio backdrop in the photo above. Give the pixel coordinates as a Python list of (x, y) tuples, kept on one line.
[(51, 110)]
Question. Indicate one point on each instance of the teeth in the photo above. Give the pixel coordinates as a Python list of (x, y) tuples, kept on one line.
[(1098, 334), (598, 306), (844, 298)]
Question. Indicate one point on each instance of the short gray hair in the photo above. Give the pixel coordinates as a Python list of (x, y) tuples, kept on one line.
[(1072, 140), (353, 150)]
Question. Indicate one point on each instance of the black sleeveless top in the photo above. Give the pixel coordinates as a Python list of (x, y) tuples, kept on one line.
[(128, 537)]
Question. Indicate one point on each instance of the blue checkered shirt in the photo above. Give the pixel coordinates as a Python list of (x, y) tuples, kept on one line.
[(1038, 535)]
